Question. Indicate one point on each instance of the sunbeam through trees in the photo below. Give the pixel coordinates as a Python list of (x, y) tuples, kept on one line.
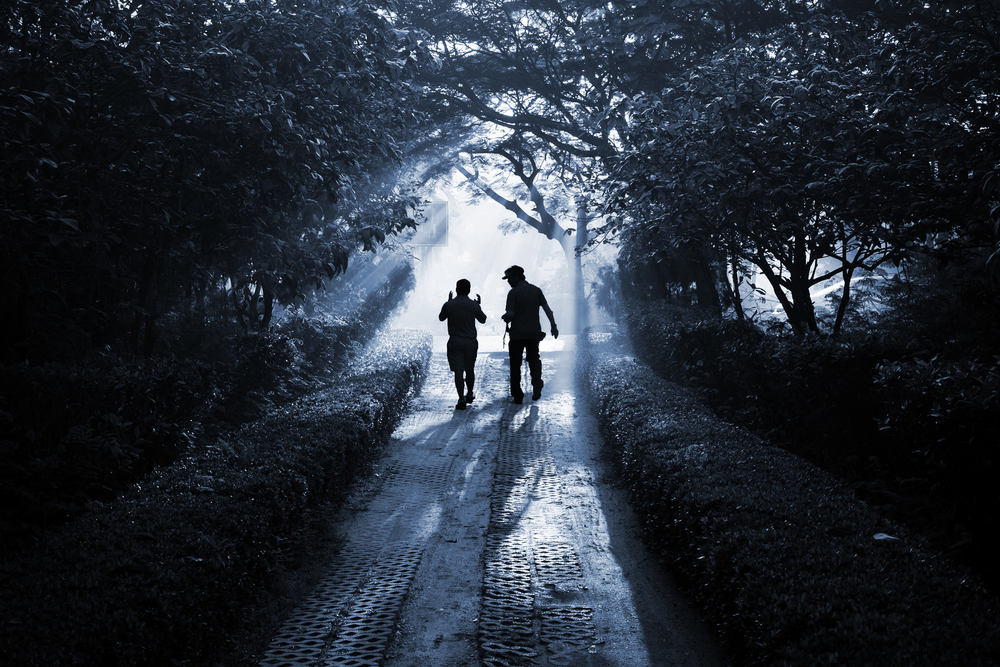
[(227, 228)]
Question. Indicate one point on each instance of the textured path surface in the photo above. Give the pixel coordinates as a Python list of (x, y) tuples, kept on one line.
[(493, 536)]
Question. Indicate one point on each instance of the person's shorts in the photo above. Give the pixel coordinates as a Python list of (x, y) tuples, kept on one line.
[(462, 353)]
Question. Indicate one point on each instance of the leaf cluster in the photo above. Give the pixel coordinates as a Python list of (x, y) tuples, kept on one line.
[(830, 142), (912, 430), (163, 575), (151, 150), (791, 567)]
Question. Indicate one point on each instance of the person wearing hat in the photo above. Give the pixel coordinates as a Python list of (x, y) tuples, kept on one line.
[(462, 313), (521, 316)]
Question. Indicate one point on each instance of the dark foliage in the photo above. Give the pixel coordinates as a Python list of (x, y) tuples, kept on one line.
[(790, 566), (75, 433), (156, 155), (914, 431), (161, 576), (826, 147)]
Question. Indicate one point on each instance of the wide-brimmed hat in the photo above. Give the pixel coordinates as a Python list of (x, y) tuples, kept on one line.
[(513, 271)]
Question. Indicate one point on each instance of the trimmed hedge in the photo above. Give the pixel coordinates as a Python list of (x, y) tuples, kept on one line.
[(913, 432), (789, 565), (71, 433), (160, 576)]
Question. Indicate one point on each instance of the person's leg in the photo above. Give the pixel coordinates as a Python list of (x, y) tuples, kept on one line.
[(470, 370), (516, 348), (534, 368), (456, 361)]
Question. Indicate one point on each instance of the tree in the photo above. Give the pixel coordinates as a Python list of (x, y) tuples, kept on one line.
[(561, 72), (150, 149), (776, 154), (944, 72), (852, 140), (520, 158)]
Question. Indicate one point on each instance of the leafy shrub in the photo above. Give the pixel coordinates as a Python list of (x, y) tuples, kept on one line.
[(802, 389), (74, 432), (789, 564), (940, 416), (913, 433), (256, 371), (937, 398), (160, 576), (321, 345)]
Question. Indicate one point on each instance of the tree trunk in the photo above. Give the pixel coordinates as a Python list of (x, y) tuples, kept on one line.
[(142, 304), (240, 309), (734, 290), (798, 278), (252, 309), (150, 336), (779, 291), (579, 293), (265, 321), (845, 300), (704, 284)]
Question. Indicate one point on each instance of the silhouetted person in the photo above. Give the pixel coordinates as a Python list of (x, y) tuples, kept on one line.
[(463, 346), (521, 316)]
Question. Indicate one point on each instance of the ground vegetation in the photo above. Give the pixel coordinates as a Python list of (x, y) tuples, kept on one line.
[(788, 564), (172, 176), (901, 405), (173, 570)]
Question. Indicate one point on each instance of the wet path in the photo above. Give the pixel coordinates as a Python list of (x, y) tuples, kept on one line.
[(493, 536)]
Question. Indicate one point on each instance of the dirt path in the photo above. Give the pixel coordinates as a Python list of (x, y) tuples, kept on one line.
[(494, 536)]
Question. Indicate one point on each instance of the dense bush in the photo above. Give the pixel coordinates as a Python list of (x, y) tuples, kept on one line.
[(914, 433), (938, 398), (74, 432), (787, 562), (160, 576), (938, 434)]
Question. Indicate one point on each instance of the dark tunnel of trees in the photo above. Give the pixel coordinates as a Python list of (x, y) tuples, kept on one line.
[(174, 171)]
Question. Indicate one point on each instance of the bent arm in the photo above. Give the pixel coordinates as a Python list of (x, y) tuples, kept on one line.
[(443, 315)]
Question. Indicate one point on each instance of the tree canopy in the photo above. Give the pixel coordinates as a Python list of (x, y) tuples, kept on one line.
[(830, 139), (155, 150)]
